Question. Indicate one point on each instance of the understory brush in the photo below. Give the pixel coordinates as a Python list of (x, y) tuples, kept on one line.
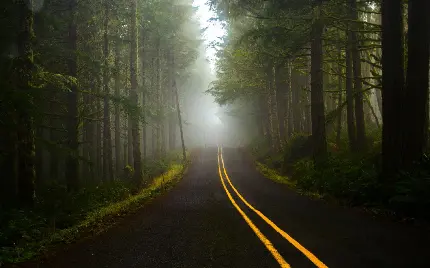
[(59, 216), (352, 179)]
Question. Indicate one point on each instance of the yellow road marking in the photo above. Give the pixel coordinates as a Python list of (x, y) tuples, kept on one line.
[(262, 238), (302, 249)]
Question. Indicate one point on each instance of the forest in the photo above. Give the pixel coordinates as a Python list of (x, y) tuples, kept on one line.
[(90, 97), (102, 104), (335, 94)]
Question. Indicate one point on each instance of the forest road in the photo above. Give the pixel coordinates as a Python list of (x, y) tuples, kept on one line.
[(202, 222)]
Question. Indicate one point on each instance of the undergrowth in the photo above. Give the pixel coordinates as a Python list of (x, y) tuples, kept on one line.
[(350, 179), (62, 217)]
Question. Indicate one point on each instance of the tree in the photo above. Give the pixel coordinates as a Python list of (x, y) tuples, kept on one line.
[(107, 138), (356, 66), (392, 84), (133, 91), (417, 83), (319, 142), (72, 164), (25, 130)]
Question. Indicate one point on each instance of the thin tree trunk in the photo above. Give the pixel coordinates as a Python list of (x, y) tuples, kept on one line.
[(281, 101), (88, 138), (392, 84), (184, 153), (319, 141), (289, 106), (133, 92), (158, 99), (272, 108), (25, 132), (339, 99), (171, 97), (144, 90), (162, 122), (72, 164), (107, 137), (98, 133), (339, 118), (308, 128), (350, 118), (295, 87), (356, 66), (117, 85), (417, 82)]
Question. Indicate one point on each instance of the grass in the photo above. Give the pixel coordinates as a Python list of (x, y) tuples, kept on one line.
[(33, 243), (275, 176)]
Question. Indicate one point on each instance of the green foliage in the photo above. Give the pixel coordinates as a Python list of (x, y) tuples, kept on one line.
[(350, 179), (412, 190), (297, 147), (275, 176), (61, 217)]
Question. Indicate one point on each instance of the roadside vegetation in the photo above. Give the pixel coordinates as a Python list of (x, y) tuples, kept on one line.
[(60, 217), (332, 96), (349, 179)]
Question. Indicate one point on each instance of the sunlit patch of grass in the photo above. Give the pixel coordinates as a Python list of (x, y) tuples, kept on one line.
[(276, 177), (95, 221)]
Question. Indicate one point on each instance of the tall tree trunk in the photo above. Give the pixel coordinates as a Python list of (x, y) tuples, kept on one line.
[(144, 90), (281, 88), (265, 105), (339, 99), (117, 86), (319, 141), (272, 108), (178, 109), (130, 141), (72, 164), (25, 132), (308, 127), (392, 84), (162, 124), (417, 82), (107, 137), (289, 106), (171, 98), (88, 138), (350, 118), (295, 88), (133, 92), (158, 103), (356, 66), (98, 132)]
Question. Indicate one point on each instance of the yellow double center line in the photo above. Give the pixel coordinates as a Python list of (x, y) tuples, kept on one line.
[(263, 239)]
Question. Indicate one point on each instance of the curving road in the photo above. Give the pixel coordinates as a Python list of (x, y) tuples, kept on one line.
[(225, 214)]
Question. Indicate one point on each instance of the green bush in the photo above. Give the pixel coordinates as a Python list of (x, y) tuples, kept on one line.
[(353, 179), (411, 194), (354, 182)]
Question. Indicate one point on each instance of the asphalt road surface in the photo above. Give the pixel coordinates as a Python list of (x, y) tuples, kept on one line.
[(223, 213)]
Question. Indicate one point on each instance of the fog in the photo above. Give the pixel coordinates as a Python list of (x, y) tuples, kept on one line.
[(206, 123)]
